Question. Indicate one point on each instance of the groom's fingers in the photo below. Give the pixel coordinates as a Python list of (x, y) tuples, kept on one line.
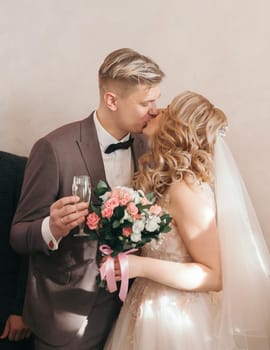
[(73, 218), (67, 206), (65, 214), (60, 203)]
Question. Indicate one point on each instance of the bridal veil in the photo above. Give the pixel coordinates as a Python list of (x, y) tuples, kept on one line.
[(245, 314)]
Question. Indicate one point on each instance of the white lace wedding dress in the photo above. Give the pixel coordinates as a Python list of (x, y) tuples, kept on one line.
[(157, 317)]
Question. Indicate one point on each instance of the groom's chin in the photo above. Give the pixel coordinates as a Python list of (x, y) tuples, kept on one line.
[(145, 126), (144, 130)]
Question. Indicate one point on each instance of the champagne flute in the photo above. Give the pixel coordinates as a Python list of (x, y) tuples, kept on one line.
[(81, 187)]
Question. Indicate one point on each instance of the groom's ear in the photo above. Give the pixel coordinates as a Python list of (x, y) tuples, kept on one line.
[(110, 100)]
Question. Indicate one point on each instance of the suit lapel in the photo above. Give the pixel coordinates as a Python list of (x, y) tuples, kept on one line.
[(90, 150)]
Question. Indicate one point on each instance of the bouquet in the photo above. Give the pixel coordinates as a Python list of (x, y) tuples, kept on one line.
[(124, 221)]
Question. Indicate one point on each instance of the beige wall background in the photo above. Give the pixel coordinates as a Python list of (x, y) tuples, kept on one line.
[(51, 50)]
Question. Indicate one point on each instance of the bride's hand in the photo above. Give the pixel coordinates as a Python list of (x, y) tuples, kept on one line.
[(117, 270), (134, 266)]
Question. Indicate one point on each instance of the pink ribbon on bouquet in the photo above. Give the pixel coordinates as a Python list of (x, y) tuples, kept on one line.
[(107, 270)]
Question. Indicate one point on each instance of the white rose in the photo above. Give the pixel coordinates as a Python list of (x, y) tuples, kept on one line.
[(152, 223), (128, 190), (105, 196), (126, 217), (138, 226), (136, 236), (136, 197)]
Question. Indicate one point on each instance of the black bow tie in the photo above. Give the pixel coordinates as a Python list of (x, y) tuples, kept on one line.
[(119, 145)]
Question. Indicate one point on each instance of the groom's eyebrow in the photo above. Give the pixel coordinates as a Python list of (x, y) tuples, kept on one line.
[(152, 99)]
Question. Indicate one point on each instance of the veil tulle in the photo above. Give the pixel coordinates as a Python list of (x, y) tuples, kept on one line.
[(245, 313)]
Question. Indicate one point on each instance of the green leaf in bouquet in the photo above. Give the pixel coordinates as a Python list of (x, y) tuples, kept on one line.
[(126, 223), (104, 223), (165, 229), (96, 209), (127, 245), (116, 251), (119, 212), (141, 207), (92, 235), (151, 197), (117, 248), (101, 188), (116, 224), (107, 233), (145, 240), (166, 219), (110, 238), (104, 230)]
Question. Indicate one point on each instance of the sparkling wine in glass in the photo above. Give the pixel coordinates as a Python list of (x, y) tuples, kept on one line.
[(81, 187)]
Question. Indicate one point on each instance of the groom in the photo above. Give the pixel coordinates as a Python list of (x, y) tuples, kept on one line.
[(63, 307)]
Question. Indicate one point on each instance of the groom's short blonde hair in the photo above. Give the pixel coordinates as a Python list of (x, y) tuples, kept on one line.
[(129, 68)]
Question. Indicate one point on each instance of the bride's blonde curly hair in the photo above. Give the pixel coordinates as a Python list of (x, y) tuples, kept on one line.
[(183, 146)]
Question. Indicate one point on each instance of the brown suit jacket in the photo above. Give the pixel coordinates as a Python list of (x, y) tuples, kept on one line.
[(61, 290)]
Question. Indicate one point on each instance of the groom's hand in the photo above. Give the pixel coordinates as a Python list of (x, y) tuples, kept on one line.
[(15, 329), (66, 214)]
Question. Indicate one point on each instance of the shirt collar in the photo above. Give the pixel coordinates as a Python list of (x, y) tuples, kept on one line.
[(104, 137)]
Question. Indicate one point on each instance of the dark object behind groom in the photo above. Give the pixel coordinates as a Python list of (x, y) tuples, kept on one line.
[(13, 268)]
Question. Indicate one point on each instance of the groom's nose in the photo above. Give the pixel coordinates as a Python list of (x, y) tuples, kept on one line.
[(153, 111)]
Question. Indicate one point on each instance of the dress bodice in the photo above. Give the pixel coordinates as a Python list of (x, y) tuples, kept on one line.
[(169, 246)]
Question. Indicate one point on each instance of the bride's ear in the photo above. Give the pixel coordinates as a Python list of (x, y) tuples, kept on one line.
[(110, 100)]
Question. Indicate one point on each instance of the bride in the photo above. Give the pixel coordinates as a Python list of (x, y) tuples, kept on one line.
[(205, 284)]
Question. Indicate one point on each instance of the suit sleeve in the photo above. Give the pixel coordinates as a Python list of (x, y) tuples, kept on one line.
[(39, 191)]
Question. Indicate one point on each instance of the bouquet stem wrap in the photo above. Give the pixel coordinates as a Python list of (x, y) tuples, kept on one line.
[(107, 270)]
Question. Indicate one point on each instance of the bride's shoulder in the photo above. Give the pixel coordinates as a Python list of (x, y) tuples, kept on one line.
[(180, 191), (179, 187), (185, 191), (194, 202)]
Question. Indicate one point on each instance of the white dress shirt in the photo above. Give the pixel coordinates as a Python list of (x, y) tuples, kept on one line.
[(118, 164), (118, 167)]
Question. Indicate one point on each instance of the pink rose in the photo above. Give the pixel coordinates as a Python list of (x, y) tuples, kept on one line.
[(115, 193), (155, 209), (107, 213), (112, 203), (127, 231), (145, 201), (125, 198), (132, 209), (92, 221)]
